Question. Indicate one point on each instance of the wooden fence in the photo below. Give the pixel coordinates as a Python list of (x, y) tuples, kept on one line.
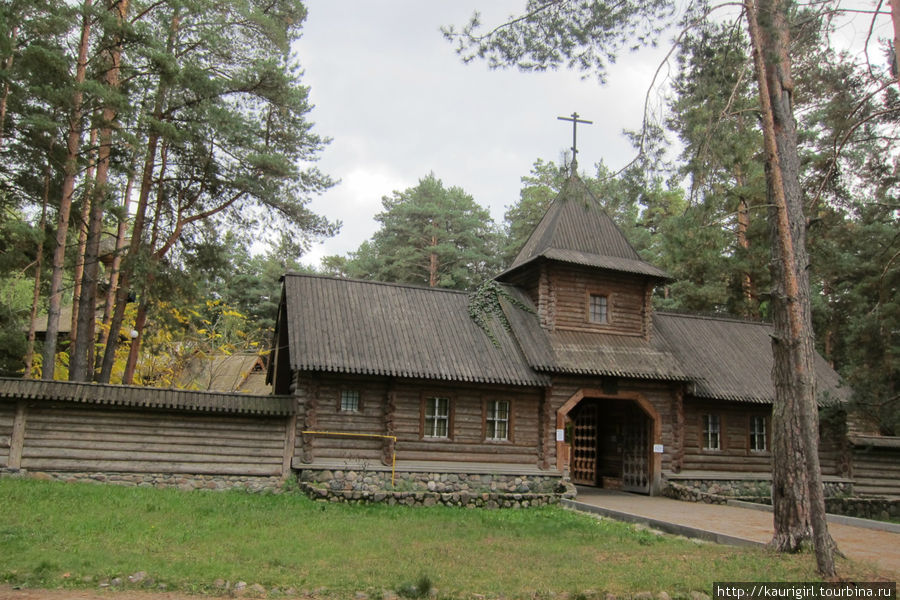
[(60, 427), (876, 465)]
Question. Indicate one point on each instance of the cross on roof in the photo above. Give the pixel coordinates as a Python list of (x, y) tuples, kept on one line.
[(575, 121)]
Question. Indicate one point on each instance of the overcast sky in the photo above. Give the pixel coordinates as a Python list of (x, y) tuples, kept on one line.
[(400, 104)]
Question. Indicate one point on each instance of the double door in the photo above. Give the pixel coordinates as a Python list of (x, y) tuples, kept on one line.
[(611, 439)]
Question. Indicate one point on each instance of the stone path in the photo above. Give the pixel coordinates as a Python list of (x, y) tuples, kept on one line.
[(733, 524)]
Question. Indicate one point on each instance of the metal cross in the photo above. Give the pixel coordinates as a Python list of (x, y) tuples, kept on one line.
[(575, 121)]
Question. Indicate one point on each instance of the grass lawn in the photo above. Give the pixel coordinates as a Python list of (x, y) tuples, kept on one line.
[(55, 534)]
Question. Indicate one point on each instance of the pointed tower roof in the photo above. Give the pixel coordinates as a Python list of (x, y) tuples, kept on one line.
[(576, 229)]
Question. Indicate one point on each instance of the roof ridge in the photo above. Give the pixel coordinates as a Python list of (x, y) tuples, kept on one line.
[(120, 386), (375, 282), (712, 317)]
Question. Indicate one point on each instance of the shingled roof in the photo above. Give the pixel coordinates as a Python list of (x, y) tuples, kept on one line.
[(577, 230), (731, 359), (364, 327)]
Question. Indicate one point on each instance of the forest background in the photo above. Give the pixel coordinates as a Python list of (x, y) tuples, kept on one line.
[(148, 148)]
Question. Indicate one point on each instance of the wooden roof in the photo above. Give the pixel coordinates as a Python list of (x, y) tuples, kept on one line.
[(361, 327), (577, 230), (732, 359), (144, 397), (243, 372), (364, 327)]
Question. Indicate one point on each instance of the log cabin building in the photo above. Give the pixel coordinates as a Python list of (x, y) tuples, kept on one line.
[(578, 377)]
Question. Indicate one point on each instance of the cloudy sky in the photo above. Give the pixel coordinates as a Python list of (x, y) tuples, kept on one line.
[(399, 104)]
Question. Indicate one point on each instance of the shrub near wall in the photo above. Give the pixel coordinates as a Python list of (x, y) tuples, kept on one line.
[(430, 489)]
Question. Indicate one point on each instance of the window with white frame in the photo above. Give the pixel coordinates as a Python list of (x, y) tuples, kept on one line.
[(437, 417), (598, 308), (758, 434), (497, 420), (349, 400), (712, 432)]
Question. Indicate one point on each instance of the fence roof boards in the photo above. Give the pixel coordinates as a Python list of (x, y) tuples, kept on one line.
[(145, 397)]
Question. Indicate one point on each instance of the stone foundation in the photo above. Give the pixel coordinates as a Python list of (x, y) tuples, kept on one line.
[(719, 491), (838, 496), (881, 509), (160, 480), (429, 489)]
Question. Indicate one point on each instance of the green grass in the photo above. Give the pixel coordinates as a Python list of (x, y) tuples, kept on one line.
[(56, 534)]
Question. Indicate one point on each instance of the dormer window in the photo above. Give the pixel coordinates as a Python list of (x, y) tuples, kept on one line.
[(598, 309)]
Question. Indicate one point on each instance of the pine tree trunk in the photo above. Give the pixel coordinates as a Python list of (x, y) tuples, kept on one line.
[(39, 266), (433, 264), (797, 490), (73, 142), (137, 231), (134, 351), (121, 243), (82, 357), (82, 235), (895, 17), (7, 64)]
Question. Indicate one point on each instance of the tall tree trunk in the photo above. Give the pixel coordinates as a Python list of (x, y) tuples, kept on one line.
[(82, 358), (38, 267), (134, 351), (73, 142), (797, 490), (433, 264), (121, 243), (895, 17), (137, 231), (83, 232), (743, 225), (7, 64)]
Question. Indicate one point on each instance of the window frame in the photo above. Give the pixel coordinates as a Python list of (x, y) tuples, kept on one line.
[(423, 417), (486, 419), (340, 402), (590, 294), (706, 430), (753, 434)]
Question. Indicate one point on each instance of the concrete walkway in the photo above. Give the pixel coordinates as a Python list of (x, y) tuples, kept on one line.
[(738, 525)]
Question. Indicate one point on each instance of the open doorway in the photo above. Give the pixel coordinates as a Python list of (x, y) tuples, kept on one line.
[(611, 441)]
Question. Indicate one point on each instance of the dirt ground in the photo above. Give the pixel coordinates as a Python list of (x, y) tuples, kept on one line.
[(8, 593)]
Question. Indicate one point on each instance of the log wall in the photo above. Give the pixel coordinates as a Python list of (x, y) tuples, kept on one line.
[(627, 300), (61, 437), (876, 471), (735, 454), (7, 415), (396, 408)]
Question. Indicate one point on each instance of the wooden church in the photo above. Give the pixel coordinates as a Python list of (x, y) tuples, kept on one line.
[(580, 379)]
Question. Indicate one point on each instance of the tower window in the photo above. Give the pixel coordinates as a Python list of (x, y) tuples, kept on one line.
[(599, 309)]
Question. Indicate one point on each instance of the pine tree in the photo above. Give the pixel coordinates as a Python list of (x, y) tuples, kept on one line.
[(429, 235)]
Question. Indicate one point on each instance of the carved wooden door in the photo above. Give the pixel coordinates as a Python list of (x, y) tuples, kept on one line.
[(636, 451), (584, 445)]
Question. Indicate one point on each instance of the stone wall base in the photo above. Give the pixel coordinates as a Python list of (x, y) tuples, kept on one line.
[(430, 489), (711, 490), (838, 498), (160, 480)]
